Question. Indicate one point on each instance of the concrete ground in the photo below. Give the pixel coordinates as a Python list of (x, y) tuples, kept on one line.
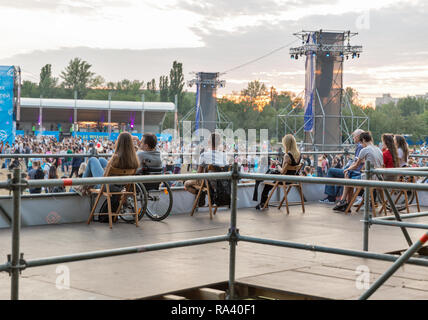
[(152, 273)]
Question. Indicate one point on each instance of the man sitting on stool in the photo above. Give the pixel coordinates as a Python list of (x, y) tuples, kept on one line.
[(211, 156)]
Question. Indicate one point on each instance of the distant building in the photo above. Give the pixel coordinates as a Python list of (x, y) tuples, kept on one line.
[(387, 98), (422, 96), (92, 115)]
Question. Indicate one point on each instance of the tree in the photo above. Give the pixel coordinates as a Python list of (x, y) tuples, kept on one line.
[(77, 76), (176, 82), (47, 82), (151, 86), (163, 88), (410, 105), (30, 89), (97, 81), (254, 89)]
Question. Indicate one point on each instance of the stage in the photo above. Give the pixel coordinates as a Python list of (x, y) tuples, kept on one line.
[(147, 274)]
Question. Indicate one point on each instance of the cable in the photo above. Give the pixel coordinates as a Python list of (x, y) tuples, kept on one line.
[(260, 58)]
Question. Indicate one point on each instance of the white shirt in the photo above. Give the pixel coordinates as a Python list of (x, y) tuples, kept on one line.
[(213, 157), (401, 157)]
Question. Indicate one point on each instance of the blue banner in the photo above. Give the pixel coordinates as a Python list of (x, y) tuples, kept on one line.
[(7, 125), (96, 135), (309, 87), (53, 134), (114, 135)]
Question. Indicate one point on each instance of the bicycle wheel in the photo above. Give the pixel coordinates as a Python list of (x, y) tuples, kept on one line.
[(159, 202), (128, 205)]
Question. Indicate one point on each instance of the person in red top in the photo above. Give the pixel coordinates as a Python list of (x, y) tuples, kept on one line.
[(390, 154)]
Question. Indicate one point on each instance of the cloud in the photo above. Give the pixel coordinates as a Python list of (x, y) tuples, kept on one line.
[(394, 57), (64, 6), (219, 9)]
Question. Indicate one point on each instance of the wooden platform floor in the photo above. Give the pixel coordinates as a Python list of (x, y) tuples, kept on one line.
[(153, 273)]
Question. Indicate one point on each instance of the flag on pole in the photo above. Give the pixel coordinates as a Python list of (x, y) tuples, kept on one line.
[(309, 86), (7, 123)]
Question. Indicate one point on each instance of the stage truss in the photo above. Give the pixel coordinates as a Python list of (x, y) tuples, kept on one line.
[(350, 121)]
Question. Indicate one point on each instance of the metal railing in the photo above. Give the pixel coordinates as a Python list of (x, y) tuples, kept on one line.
[(16, 262)]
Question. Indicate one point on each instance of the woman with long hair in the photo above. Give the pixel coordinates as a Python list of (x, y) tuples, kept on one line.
[(402, 150), (292, 157), (53, 174), (390, 155), (124, 157)]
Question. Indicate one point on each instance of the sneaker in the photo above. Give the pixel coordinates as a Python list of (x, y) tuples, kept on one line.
[(326, 201), (341, 204), (358, 201), (260, 206), (343, 208)]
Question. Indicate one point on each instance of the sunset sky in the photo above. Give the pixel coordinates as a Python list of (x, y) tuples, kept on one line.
[(138, 39)]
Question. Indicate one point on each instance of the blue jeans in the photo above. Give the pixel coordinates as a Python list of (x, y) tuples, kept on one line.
[(65, 164), (332, 190), (95, 167)]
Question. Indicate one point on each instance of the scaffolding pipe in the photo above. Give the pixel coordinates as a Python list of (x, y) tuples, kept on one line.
[(399, 224), (397, 264), (345, 252), (122, 251)]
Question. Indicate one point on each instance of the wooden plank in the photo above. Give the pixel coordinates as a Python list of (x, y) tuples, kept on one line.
[(173, 297), (211, 294)]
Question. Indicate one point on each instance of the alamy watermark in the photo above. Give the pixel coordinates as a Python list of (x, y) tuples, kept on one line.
[(63, 277), (362, 282)]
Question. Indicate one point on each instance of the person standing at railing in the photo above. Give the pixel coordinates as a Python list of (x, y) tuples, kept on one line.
[(36, 173), (371, 153), (333, 191), (7, 150), (75, 164)]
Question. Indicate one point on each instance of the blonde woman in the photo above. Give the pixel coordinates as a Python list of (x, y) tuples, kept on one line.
[(292, 157)]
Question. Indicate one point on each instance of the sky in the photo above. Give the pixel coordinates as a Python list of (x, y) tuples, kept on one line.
[(139, 39)]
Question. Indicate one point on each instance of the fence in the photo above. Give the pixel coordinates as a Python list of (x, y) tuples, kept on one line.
[(16, 262)]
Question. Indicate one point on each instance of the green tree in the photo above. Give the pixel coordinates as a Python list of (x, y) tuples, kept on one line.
[(47, 83), (410, 105), (77, 76), (176, 82), (163, 88), (30, 89), (97, 81), (151, 86), (254, 89)]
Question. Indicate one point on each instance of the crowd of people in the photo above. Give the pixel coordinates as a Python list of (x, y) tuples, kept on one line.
[(392, 152)]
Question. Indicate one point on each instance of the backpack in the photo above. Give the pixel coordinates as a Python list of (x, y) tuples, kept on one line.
[(221, 190), (39, 174), (114, 200)]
